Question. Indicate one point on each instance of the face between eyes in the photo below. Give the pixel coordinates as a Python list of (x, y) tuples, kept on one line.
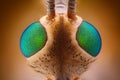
[(60, 48)]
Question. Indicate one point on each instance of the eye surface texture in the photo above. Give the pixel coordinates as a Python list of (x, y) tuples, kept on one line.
[(33, 39), (89, 38)]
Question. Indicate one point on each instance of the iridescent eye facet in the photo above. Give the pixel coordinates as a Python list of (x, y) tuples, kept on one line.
[(33, 39), (88, 38)]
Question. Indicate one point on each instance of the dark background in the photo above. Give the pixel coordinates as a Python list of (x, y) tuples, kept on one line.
[(16, 15)]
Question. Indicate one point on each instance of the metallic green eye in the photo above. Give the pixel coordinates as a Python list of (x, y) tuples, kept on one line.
[(33, 39), (88, 38)]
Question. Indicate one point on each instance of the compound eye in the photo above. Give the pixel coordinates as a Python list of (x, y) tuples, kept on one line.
[(89, 38), (33, 39)]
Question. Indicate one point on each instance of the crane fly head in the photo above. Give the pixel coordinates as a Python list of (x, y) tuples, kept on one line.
[(60, 47)]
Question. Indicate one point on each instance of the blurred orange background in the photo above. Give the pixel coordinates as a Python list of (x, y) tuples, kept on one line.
[(16, 15)]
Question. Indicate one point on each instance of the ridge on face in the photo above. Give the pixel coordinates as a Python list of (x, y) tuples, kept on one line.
[(61, 58)]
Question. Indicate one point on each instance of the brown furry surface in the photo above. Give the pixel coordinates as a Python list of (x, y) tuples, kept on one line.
[(61, 57)]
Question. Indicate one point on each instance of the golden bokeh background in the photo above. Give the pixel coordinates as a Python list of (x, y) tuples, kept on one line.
[(16, 15)]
